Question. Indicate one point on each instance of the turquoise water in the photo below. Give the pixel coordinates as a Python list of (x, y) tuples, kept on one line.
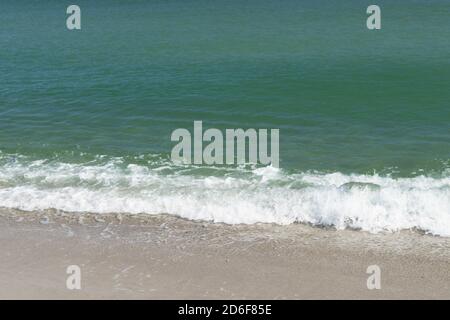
[(86, 116)]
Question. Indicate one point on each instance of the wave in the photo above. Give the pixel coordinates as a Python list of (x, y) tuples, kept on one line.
[(243, 195)]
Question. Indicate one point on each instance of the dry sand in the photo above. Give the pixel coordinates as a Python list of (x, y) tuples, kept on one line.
[(163, 257)]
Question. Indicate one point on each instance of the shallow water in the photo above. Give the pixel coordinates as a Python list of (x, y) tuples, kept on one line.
[(86, 116)]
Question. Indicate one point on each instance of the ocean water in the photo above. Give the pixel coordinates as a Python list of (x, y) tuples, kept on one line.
[(364, 116)]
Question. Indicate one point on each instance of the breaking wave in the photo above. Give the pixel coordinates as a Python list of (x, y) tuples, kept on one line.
[(372, 203)]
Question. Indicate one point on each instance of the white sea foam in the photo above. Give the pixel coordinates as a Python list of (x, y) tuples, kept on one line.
[(368, 202)]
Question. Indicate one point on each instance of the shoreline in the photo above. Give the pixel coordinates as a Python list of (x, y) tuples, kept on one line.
[(165, 257)]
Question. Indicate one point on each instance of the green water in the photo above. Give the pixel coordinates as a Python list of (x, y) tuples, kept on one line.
[(344, 98), (86, 116)]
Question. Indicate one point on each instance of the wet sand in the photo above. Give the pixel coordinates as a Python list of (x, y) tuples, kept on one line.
[(164, 257)]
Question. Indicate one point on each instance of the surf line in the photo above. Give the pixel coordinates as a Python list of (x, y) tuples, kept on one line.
[(241, 147)]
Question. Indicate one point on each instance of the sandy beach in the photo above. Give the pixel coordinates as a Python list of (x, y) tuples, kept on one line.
[(225, 150), (164, 257)]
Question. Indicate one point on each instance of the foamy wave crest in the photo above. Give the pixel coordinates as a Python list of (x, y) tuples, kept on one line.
[(268, 195)]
